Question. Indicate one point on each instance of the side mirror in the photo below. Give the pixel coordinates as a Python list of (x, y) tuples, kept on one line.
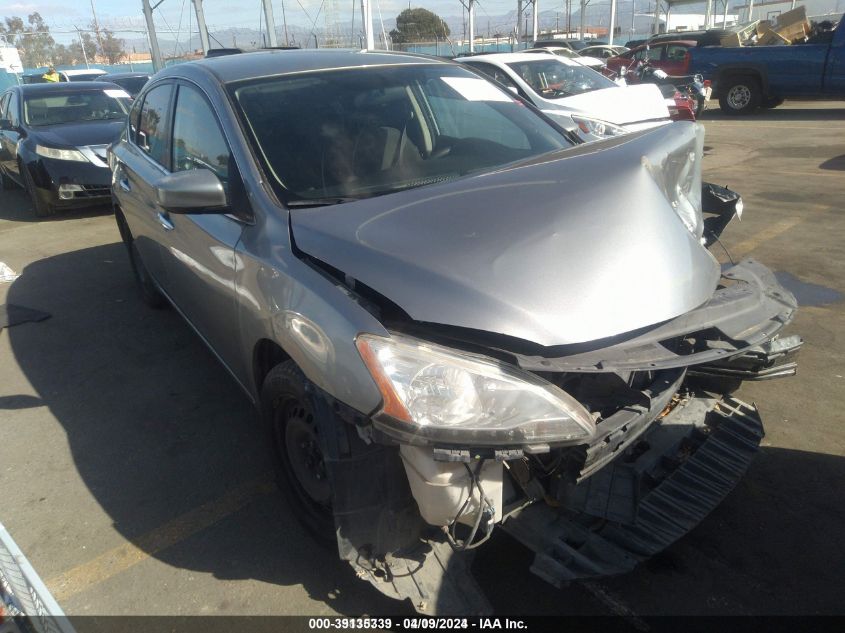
[(193, 191)]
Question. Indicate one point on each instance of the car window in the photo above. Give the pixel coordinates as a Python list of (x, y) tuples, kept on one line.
[(652, 53), (555, 79), (357, 133), (72, 107), (495, 73), (4, 103), (676, 52), (198, 142), (13, 110), (151, 136)]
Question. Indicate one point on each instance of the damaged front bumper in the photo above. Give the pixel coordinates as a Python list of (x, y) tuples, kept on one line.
[(669, 444)]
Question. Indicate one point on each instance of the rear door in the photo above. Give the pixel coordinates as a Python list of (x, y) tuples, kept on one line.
[(199, 257), (143, 157), (11, 138)]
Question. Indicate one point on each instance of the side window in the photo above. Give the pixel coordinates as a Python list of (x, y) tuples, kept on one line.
[(134, 119), (152, 125), (4, 104), (496, 74), (13, 110), (655, 53), (676, 52), (198, 142)]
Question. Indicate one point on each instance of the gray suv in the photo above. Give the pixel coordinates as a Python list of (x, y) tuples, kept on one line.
[(451, 315)]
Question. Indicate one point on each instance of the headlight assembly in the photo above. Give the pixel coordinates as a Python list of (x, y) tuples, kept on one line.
[(439, 394), (596, 127), (60, 154)]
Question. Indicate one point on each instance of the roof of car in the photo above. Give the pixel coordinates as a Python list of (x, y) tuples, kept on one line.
[(245, 66), (83, 71), (62, 86), (111, 76), (662, 42), (513, 57)]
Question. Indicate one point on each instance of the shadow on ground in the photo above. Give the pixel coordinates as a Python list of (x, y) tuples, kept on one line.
[(836, 112), (156, 428)]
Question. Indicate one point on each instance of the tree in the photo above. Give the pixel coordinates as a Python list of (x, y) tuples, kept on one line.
[(112, 47), (75, 48), (33, 39), (418, 25)]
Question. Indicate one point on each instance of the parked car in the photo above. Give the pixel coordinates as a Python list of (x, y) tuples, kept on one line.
[(53, 140), (130, 82), (450, 314), (748, 77), (670, 57), (84, 74), (578, 98), (568, 53), (575, 45), (602, 51)]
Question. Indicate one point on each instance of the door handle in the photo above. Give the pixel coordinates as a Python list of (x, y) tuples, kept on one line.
[(124, 184), (165, 222)]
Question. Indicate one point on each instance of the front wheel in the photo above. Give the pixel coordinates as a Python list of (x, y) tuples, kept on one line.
[(740, 95), (42, 208), (294, 434)]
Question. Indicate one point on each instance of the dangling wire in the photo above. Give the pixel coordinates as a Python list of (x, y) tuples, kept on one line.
[(484, 507)]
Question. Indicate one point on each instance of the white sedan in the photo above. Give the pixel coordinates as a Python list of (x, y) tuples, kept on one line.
[(567, 53), (576, 97)]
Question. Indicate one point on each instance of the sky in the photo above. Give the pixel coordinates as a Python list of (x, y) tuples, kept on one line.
[(125, 15)]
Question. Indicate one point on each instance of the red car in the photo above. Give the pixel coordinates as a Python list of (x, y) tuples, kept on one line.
[(671, 57)]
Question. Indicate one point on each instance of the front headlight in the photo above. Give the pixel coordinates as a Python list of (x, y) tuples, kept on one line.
[(443, 395), (597, 127), (60, 154)]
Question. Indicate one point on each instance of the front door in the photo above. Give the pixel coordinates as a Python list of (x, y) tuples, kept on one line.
[(199, 255)]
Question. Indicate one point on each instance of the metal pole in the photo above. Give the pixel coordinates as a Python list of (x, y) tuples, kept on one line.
[(725, 15), (96, 27), (82, 46), (285, 23), (612, 22), (656, 26), (668, 11), (367, 13), (201, 25), (581, 17), (535, 24), (633, 19), (471, 19), (155, 53), (708, 14), (518, 23), (750, 14), (271, 22)]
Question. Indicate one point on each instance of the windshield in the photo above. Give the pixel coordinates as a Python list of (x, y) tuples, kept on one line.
[(555, 79), (72, 107), (347, 134), (565, 52)]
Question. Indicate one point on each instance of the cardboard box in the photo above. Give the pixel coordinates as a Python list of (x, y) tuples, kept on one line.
[(771, 38)]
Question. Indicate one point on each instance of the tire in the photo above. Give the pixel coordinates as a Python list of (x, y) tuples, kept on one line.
[(740, 95), (42, 209), (772, 102), (7, 183), (287, 412), (149, 292)]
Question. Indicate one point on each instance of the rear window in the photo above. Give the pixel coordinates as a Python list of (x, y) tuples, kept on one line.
[(555, 79), (73, 107)]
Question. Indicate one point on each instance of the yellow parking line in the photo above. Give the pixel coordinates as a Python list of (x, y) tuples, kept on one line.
[(123, 557)]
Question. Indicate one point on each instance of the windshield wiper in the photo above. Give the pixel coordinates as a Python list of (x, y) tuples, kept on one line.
[(319, 202)]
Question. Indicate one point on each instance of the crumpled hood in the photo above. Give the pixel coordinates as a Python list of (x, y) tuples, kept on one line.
[(619, 105), (79, 134), (573, 247)]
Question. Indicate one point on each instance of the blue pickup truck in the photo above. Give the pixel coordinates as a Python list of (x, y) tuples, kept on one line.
[(746, 78)]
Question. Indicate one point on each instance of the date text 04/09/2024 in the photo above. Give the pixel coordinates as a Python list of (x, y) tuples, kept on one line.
[(380, 624)]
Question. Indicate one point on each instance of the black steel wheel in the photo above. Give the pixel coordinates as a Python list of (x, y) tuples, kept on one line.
[(298, 449), (42, 209)]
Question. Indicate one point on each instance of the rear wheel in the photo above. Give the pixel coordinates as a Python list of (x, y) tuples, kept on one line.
[(42, 208), (294, 433), (5, 182), (740, 95), (149, 292)]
